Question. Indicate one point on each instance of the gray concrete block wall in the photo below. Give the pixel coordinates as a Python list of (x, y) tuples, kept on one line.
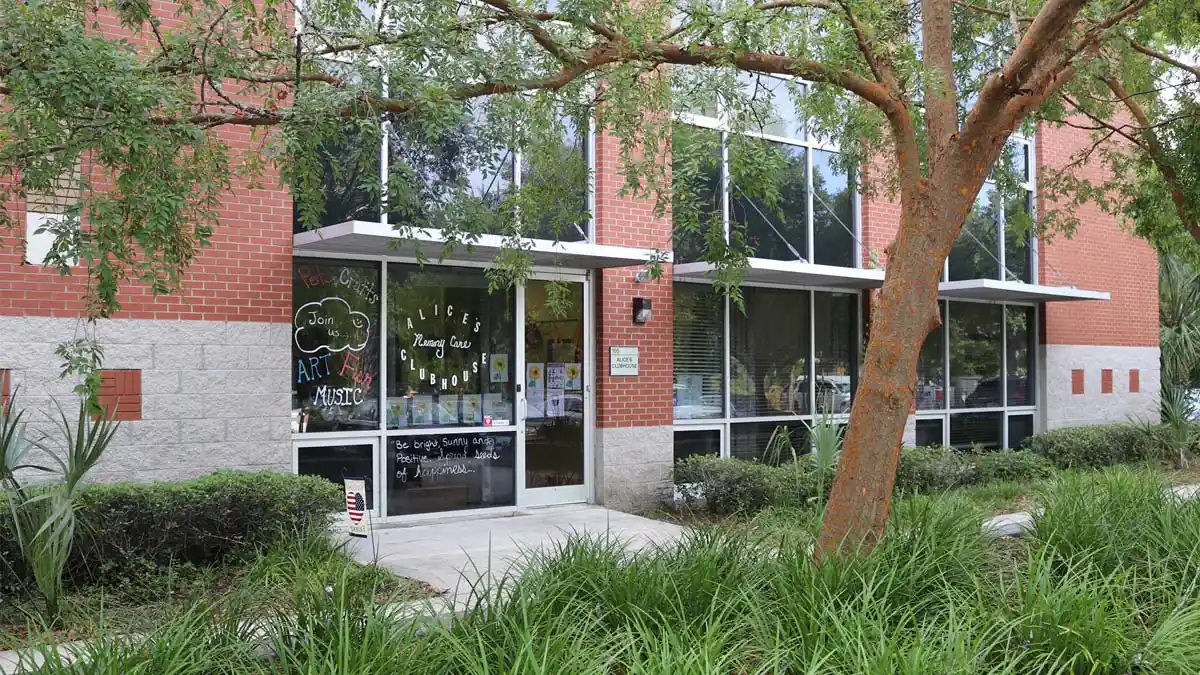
[(633, 466), (1061, 408), (215, 394)]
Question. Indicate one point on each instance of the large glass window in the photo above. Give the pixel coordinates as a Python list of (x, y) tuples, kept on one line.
[(554, 183), (699, 352), (835, 328), (976, 356), (770, 353), (335, 346), (1020, 344), (696, 193), (775, 221), (976, 252), (450, 349), (786, 198), (992, 352), (931, 372), (833, 212)]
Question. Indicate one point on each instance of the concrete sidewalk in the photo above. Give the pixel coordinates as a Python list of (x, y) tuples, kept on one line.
[(450, 555)]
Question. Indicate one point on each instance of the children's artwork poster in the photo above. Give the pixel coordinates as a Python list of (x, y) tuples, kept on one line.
[(422, 409), (556, 375), (472, 409), (447, 409), (554, 402), (535, 376), (535, 403), (496, 407), (498, 368), (397, 413), (574, 376)]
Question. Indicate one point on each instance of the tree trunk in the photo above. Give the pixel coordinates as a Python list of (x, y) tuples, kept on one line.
[(932, 214), (905, 313)]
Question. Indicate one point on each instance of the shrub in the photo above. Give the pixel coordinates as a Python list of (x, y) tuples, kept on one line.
[(723, 485), (1018, 465), (128, 529), (1090, 447), (933, 468)]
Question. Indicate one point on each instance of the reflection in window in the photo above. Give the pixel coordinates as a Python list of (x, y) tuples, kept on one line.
[(1020, 343), (769, 442), (350, 182), (770, 350), (929, 432), (696, 191), (1017, 251), (694, 443), (450, 348), (975, 355), (976, 253), (442, 181), (976, 430), (835, 329), (699, 352), (554, 184), (833, 216), (774, 220), (772, 106), (931, 371), (335, 346)]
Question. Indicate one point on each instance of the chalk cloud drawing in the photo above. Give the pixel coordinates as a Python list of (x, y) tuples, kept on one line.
[(345, 329)]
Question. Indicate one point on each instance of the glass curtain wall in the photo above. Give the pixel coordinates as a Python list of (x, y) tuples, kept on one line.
[(996, 240), (807, 214), (791, 356), (975, 378)]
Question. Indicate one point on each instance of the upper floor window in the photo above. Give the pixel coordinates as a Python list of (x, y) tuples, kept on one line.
[(996, 240), (475, 175), (748, 168)]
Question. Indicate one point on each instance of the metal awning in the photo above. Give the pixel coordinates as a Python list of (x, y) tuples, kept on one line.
[(792, 272), (371, 238), (1014, 291)]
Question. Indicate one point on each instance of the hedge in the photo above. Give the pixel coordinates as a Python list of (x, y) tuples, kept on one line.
[(1091, 446), (127, 529), (723, 486)]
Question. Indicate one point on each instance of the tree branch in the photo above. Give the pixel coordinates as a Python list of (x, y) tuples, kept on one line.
[(1165, 58), (1158, 155), (941, 99), (882, 73)]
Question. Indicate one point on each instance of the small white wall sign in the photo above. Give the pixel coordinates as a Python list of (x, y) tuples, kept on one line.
[(622, 361)]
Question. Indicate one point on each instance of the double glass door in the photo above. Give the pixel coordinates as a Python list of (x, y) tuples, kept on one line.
[(554, 397)]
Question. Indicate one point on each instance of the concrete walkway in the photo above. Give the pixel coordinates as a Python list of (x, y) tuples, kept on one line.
[(450, 555)]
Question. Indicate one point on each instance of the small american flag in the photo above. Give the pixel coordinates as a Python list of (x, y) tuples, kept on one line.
[(356, 506)]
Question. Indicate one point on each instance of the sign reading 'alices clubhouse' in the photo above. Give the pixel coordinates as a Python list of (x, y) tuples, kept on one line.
[(425, 356)]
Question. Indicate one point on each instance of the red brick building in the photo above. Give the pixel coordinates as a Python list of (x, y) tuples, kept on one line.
[(333, 352)]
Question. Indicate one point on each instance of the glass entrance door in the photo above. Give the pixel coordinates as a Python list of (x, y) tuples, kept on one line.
[(555, 393)]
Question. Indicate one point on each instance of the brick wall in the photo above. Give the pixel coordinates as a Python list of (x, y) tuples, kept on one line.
[(644, 400), (1101, 255), (244, 276)]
